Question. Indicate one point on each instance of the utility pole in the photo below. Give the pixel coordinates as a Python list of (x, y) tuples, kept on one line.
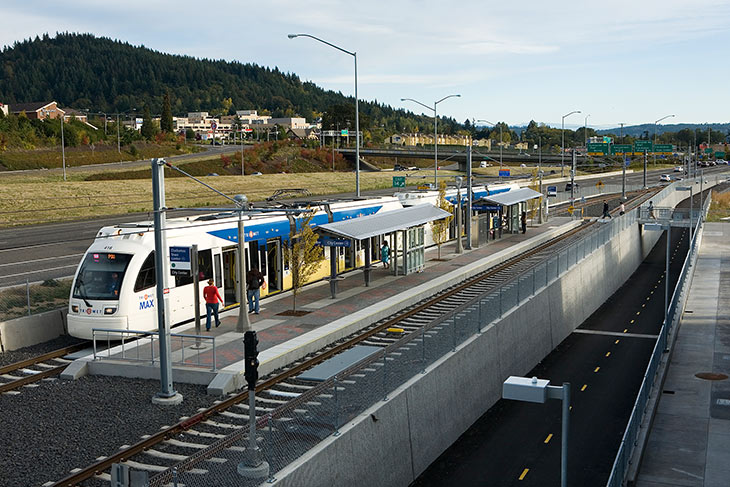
[(572, 179), (623, 166), (646, 155), (63, 147), (468, 197)]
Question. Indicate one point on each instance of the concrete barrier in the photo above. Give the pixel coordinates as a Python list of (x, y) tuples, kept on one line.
[(394, 441), (31, 330)]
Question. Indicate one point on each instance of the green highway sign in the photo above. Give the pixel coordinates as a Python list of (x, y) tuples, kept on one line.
[(621, 148), (642, 145), (399, 181), (719, 155), (708, 151), (594, 148), (664, 148), (343, 132)]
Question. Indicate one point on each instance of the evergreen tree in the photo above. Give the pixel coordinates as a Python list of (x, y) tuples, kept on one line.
[(149, 128), (166, 117)]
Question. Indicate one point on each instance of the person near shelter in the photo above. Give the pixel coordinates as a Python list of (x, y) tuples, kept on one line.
[(622, 209), (212, 299), (254, 280), (606, 213), (523, 221), (651, 210), (385, 255)]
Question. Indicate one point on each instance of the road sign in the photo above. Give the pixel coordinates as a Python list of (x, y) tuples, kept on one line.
[(343, 132), (571, 208), (552, 191), (334, 242), (621, 148), (399, 181), (596, 148), (668, 148), (719, 155), (180, 261), (503, 172), (642, 145), (599, 184)]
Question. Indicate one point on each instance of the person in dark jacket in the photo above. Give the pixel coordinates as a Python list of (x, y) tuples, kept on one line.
[(606, 213), (523, 221), (254, 280)]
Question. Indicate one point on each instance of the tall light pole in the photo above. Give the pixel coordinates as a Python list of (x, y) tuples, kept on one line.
[(585, 135), (656, 122), (63, 148), (357, 110), (435, 133), (562, 133), (500, 142)]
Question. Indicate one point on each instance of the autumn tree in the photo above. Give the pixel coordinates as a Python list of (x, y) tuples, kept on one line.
[(440, 228), (303, 255)]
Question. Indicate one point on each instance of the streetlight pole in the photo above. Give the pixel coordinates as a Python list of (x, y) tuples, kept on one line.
[(623, 166), (357, 109), (585, 136), (63, 146), (655, 123), (435, 133), (562, 134), (500, 143)]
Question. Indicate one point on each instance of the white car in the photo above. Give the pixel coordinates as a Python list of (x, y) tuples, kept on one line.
[(665, 177), (679, 169)]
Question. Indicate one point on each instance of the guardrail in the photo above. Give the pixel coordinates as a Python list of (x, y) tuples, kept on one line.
[(145, 352), (676, 305)]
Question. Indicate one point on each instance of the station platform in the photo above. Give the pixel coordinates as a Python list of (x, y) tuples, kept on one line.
[(689, 439), (284, 338)]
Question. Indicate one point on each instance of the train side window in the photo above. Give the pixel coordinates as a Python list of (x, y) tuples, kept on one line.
[(183, 280), (263, 260), (218, 271), (205, 264), (253, 253), (146, 277)]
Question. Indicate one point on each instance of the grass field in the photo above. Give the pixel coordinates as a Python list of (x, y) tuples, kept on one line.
[(719, 208)]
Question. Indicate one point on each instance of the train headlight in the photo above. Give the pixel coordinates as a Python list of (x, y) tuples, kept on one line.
[(110, 311), (74, 308)]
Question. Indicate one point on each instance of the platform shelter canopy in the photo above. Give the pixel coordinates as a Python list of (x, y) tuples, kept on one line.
[(513, 197), (386, 222)]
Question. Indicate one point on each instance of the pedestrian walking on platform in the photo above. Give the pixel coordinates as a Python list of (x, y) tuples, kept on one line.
[(212, 299), (254, 280), (606, 213), (651, 210), (523, 221), (621, 209), (385, 255)]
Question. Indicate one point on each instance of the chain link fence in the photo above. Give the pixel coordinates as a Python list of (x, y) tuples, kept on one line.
[(287, 432), (29, 299)]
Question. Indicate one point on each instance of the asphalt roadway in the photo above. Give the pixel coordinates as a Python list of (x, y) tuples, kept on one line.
[(516, 443), (52, 251)]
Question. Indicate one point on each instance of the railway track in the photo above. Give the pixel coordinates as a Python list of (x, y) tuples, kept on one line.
[(283, 399), (30, 371)]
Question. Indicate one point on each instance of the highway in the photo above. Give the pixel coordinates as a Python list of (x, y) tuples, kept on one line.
[(51, 251), (517, 443)]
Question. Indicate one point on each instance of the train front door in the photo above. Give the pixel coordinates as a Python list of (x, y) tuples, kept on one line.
[(230, 296), (273, 263)]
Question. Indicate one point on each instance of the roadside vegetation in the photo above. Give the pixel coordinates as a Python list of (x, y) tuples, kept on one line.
[(720, 207), (46, 296)]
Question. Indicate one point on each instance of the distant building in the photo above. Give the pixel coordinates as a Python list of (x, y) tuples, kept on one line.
[(3, 109), (427, 139), (73, 114), (303, 134), (38, 110), (289, 122)]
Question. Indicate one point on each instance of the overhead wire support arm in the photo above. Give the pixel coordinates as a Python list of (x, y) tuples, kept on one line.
[(167, 164)]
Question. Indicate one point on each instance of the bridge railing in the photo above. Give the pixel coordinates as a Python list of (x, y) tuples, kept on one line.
[(640, 415)]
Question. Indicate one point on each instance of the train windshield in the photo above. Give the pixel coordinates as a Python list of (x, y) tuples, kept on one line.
[(100, 276)]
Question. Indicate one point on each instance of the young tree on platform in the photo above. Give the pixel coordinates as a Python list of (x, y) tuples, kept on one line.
[(440, 228), (303, 255)]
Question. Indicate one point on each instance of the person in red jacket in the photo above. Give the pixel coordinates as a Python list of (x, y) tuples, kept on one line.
[(212, 298)]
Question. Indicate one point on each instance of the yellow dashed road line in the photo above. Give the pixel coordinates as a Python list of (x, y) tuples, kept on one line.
[(608, 354), (616, 342), (547, 440), (585, 386), (596, 369), (524, 474)]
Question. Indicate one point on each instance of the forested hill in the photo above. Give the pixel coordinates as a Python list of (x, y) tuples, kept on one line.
[(100, 74)]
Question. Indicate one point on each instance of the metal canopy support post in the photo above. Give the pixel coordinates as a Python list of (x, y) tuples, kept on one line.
[(333, 272), (243, 324), (572, 179), (469, 197), (167, 394), (459, 224), (196, 292), (368, 260)]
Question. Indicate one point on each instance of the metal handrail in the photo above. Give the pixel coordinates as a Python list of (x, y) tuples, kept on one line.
[(126, 336)]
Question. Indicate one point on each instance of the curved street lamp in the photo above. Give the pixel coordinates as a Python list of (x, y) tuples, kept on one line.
[(562, 134), (357, 112), (435, 133), (655, 123)]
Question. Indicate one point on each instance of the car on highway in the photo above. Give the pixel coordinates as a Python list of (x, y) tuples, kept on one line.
[(484, 164), (398, 167), (679, 169), (569, 186), (665, 178)]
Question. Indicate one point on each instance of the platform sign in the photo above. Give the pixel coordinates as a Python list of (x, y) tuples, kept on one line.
[(621, 148), (399, 181), (504, 172), (334, 242), (180, 261), (666, 148), (485, 207), (643, 145), (552, 191), (597, 148)]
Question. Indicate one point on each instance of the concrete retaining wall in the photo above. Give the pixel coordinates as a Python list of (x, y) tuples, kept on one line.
[(426, 415), (31, 330)]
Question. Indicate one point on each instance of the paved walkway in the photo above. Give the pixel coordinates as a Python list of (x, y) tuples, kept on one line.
[(689, 442)]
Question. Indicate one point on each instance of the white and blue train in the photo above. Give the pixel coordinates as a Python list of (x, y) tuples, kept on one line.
[(114, 285)]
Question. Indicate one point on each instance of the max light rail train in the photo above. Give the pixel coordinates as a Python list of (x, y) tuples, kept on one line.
[(114, 284)]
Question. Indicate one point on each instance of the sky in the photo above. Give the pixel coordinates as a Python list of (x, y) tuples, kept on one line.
[(621, 61)]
